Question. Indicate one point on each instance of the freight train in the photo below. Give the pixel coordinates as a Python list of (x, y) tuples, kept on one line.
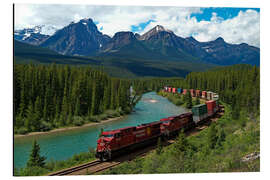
[(121, 141)]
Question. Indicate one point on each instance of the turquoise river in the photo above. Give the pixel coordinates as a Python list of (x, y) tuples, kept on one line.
[(62, 145)]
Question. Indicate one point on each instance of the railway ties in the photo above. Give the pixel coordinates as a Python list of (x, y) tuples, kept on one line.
[(75, 169), (98, 166)]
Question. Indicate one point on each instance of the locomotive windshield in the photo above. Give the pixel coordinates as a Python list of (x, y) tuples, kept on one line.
[(108, 135), (166, 121)]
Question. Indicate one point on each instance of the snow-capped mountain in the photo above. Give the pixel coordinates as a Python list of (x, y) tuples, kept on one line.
[(83, 38), (35, 35)]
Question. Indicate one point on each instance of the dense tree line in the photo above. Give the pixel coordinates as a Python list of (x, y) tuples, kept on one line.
[(237, 85), (53, 96)]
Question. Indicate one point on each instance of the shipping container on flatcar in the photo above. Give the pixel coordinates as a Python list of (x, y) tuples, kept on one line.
[(174, 90), (204, 94), (209, 95), (165, 88), (215, 96), (211, 107), (199, 113), (198, 93), (184, 91), (179, 90), (192, 92)]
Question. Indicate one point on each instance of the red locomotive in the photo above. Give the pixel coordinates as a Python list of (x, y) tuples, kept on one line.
[(170, 126), (113, 143), (121, 141)]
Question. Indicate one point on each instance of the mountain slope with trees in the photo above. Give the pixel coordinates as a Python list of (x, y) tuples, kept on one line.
[(115, 66), (53, 96)]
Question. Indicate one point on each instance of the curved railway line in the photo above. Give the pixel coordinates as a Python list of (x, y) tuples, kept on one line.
[(98, 166)]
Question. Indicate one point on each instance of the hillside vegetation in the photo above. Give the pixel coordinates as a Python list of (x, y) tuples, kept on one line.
[(221, 147), (116, 66)]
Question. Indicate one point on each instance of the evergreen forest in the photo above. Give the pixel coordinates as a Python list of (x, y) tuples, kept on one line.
[(52, 96)]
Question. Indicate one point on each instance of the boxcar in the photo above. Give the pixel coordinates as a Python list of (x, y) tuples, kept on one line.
[(199, 113)]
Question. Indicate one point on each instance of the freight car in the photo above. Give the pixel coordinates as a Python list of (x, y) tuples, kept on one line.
[(198, 93), (124, 140), (192, 92), (204, 94), (179, 90), (184, 91)]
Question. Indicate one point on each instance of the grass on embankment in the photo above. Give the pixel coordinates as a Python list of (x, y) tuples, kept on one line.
[(218, 148)]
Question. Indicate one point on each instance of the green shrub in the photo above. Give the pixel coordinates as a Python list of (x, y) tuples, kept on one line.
[(103, 116), (32, 171), (178, 102), (110, 113), (127, 110), (78, 121), (45, 126), (93, 119), (21, 130)]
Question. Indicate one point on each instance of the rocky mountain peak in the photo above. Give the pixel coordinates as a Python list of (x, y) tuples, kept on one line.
[(153, 31)]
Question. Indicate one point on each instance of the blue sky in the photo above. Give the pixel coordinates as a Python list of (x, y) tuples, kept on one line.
[(234, 25), (205, 15), (225, 13)]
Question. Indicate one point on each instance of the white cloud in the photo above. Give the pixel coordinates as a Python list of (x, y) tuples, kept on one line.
[(243, 28)]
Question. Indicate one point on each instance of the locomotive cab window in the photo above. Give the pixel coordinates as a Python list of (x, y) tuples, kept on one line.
[(166, 121), (117, 135), (108, 135)]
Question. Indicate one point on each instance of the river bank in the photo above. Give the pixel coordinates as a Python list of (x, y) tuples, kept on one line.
[(62, 145), (64, 129)]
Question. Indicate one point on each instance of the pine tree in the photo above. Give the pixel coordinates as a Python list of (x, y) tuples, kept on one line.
[(181, 143), (159, 146), (197, 102), (35, 158), (188, 100), (30, 119), (221, 137), (212, 136)]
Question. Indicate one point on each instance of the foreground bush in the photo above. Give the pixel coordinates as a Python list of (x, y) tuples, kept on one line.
[(53, 165)]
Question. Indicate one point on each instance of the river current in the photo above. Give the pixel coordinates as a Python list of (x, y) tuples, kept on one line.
[(62, 145)]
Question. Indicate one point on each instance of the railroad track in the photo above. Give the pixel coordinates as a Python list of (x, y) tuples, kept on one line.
[(74, 169), (97, 166)]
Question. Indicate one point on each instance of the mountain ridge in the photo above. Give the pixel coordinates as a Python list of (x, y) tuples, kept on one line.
[(84, 39)]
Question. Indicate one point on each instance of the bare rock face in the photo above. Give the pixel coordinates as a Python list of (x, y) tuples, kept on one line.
[(250, 157), (82, 38)]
